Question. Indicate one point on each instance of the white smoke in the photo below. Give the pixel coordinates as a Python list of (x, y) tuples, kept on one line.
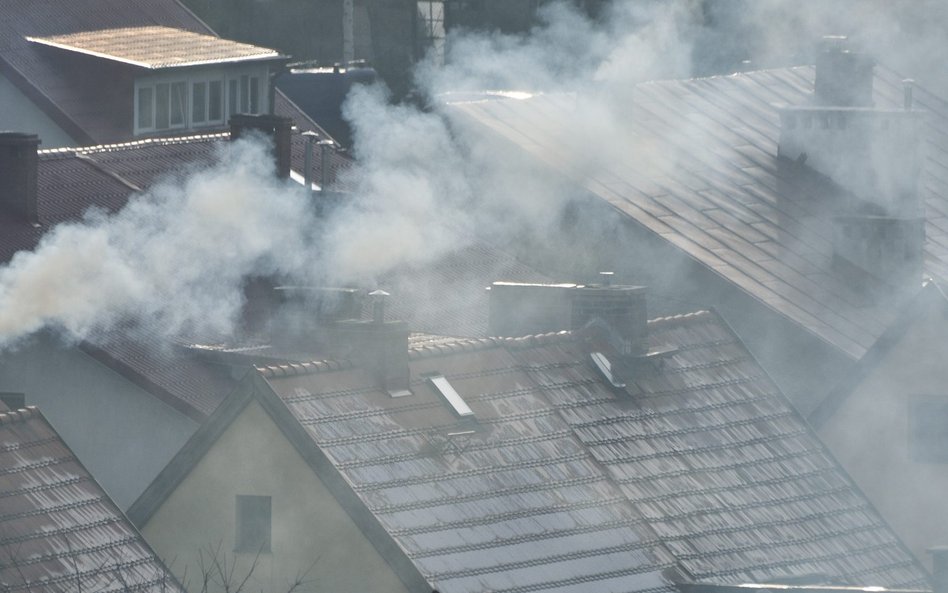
[(174, 258)]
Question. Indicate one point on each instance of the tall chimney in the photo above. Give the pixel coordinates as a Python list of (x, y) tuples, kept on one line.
[(843, 77), (379, 346), (278, 129), (621, 308), (18, 175)]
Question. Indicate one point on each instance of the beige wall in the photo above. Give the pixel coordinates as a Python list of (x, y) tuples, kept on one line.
[(308, 525), (869, 435)]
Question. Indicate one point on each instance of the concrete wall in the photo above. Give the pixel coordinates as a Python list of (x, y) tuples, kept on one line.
[(121, 433), (869, 434), (19, 114), (309, 528)]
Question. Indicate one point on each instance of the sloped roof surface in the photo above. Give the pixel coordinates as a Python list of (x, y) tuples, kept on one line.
[(760, 222), (58, 530), (569, 486), (157, 47)]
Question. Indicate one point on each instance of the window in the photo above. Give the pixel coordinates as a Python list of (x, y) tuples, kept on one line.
[(162, 109), (215, 95), (450, 395), (146, 108), (928, 429), (199, 102), (179, 104), (253, 524)]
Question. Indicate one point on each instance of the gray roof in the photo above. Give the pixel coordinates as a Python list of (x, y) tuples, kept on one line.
[(59, 531), (728, 202), (699, 469)]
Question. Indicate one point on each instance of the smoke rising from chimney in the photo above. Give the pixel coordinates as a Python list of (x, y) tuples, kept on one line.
[(176, 256)]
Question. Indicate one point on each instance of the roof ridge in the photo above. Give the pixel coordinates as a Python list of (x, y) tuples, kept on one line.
[(303, 368), (679, 318), (132, 144), (20, 415)]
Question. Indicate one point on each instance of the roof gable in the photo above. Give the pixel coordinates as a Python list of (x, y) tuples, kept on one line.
[(700, 469)]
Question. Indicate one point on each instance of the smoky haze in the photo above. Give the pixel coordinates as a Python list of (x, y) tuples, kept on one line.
[(176, 256)]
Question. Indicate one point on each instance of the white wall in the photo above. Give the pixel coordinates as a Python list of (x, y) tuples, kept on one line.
[(122, 434), (19, 114), (869, 435), (309, 527)]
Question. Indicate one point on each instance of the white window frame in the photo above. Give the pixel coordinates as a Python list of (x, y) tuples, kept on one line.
[(244, 102)]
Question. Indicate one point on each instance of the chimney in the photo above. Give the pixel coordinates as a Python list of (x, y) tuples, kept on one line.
[(843, 77), (622, 309), (18, 175), (379, 346), (874, 154), (278, 129), (518, 309), (939, 569)]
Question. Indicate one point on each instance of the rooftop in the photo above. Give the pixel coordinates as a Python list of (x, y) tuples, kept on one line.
[(700, 468), (724, 198), (157, 47), (60, 531)]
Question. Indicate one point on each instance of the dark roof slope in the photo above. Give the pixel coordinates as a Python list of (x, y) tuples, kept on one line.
[(58, 530), (725, 199), (569, 485)]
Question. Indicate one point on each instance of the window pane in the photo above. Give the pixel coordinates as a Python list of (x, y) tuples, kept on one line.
[(179, 103), (254, 95), (161, 105), (199, 102), (253, 524), (244, 93), (232, 106), (214, 96), (146, 108)]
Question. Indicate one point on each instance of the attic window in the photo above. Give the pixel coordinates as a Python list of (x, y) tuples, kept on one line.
[(450, 395), (605, 367)]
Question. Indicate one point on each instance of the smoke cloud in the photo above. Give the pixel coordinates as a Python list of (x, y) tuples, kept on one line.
[(425, 184)]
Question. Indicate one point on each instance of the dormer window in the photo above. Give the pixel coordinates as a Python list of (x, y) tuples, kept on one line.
[(182, 80)]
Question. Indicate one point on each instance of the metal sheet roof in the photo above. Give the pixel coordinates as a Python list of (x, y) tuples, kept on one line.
[(760, 222), (568, 484), (156, 47), (58, 530)]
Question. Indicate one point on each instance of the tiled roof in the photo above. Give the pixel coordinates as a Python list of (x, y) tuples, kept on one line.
[(760, 222), (70, 96), (157, 47), (567, 485), (59, 531)]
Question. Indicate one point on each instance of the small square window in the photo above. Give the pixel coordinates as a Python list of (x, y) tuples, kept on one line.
[(253, 524), (928, 429)]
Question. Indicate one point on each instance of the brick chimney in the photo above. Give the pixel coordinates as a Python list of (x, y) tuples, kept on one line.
[(18, 175), (874, 154), (278, 129), (379, 346), (518, 309)]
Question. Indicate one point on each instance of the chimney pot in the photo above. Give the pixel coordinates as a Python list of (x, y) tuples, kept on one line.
[(843, 77), (18, 174), (378, 305), (605, 278), (908, 86), (278, 129)]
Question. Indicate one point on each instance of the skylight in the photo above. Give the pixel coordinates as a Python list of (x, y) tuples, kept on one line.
[(451, 396)]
